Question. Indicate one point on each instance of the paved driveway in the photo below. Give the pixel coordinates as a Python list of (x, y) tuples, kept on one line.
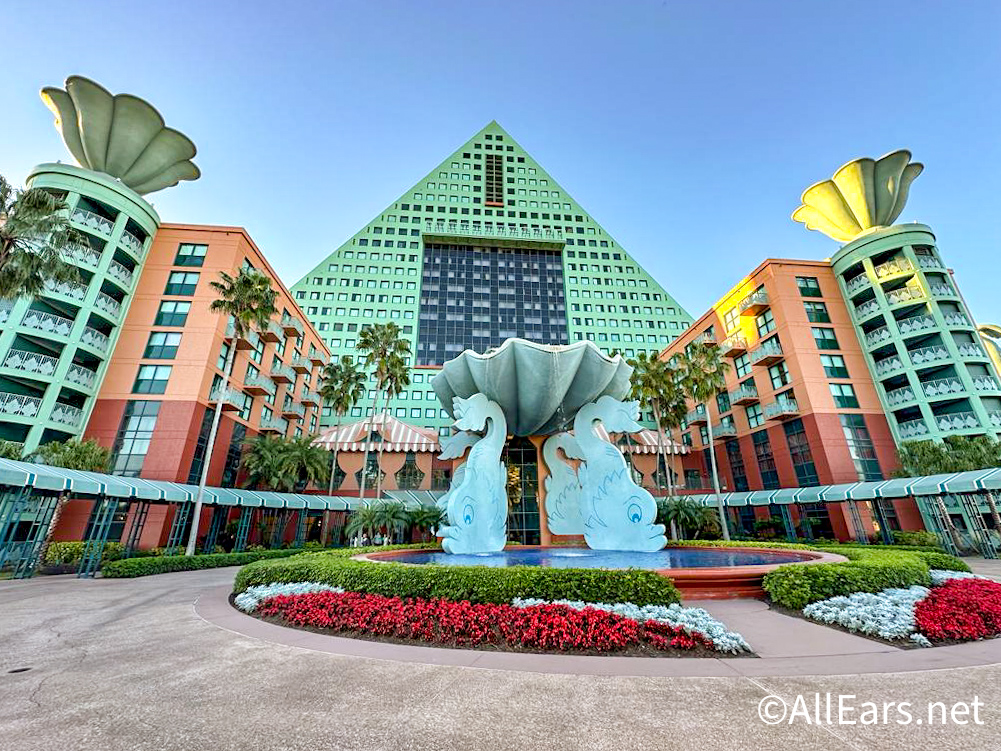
[(127, 664)]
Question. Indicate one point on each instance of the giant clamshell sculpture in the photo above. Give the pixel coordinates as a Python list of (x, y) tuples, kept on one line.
[(532, 389), (120, 135), (863, 195)]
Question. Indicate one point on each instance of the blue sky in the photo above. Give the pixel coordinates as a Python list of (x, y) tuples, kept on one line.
[(688, 129)]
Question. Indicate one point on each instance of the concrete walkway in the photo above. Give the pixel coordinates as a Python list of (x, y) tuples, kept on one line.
[(128, 664)]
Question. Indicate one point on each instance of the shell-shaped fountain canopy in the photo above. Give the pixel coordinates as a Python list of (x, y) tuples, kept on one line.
[(120, 135), (539, 387), (863, 195)]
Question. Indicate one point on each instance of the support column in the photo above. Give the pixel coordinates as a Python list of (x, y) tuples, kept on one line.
[(93, 549), (542, 472)]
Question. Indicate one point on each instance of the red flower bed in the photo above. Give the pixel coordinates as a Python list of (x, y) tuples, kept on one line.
[(961, 609), (540, 627)]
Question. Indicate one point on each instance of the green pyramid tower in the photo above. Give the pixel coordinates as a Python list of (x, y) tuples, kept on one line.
[(485, 247)]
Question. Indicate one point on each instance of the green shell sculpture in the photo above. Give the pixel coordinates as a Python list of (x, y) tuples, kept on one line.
[(120, 135), (863, 195)]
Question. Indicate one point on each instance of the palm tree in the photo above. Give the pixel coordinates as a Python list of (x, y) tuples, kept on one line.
[(688, 516), (704, 376), (249, 301), (306, 463), (34, 233), (397, 379), (265, 464), (342, 385), (380, 343), (427, 518), (363, 520), (393, 517)]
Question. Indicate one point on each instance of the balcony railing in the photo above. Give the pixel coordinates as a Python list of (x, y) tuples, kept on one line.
[(697, 415), (282, 374), (231, 399), (781, 409), (915, 324), (272, 333), (93, 221), (6, 306), (72, 290), (912, 429), (47, 322), (292, 326), (66, 414), (929, 262), (274, 425), (866, 309), (942, 387), (318, 358), (132, 244), (259, 385), (19, 405), (754, 303), (995, 418), (857, 283), (971, 349), (956, 320), (767, 353), (467, 229), (943, 290), (888, 365), (249, 340), (904, 294), (733, 345), (724, 430), (877, 336), (744, 394), (84, 254), (120, 272), (81, 376), (986, 383), (893, 268), (108, 304), (900, 396), (307, 396), (301, 364), (926, 355), (293, 410), (957, 421), (94, 338), (31, 362)]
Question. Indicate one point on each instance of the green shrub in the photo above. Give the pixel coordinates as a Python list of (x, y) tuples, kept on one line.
[(477, 584), (128, 568), (921, 538), (71, 553)]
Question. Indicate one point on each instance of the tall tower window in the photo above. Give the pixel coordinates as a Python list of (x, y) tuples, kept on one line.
[(494, 176)]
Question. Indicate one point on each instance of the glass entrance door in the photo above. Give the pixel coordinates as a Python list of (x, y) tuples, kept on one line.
[(522, 460)]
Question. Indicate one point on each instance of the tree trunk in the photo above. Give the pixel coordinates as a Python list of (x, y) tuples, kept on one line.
[(330, 486), (57, 512), (994, 511), (378, 464), (210, 445), (368, 444), (724, 527), (660, 455)]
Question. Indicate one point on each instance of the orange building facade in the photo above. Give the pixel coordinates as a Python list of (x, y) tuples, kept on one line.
[(155, 405), (799, 407)]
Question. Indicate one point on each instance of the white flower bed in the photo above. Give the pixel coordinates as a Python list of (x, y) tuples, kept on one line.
[(250, 598), (940, 577), (692, 620)]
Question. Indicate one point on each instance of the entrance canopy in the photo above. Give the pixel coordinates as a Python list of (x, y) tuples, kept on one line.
[(396, 435)]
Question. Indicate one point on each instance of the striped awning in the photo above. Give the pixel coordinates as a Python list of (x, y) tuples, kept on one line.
[(396, 436), (416, 497), (643, 442)]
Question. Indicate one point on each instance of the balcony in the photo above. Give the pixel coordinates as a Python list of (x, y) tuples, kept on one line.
[(986, 383), (282, 374), (956, 421), (67, 415), (943, 290), (706, 337), (971, 349), (93, 222), (69, 290), (81, 376), (82, 255), (293, 411), (108, 304), (258, 385), (132, 244), (31, 362), (857, 283), (781, 409), (878, 336), (744, 394), (5, 308), (301, 364), (767, 353), (272, 333), (733, 345), (942, 387), (957, 320), (889, 365), (245, 342), (866, 309), (929, 262), (232, 400), (697, 416), (916, 324), (318, 358), (120, 273), (753, 304), (273, 425), (893, 268), (912, 429), (48, 323), (292, 327), (928, 355), (904, 294), (898, 397), (309, 397), (724, 430), (499, 236), (95, 339), (19, 405)]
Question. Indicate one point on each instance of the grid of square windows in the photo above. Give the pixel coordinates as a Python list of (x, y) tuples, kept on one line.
[(134, 435), (172, 313), (861, 448)]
